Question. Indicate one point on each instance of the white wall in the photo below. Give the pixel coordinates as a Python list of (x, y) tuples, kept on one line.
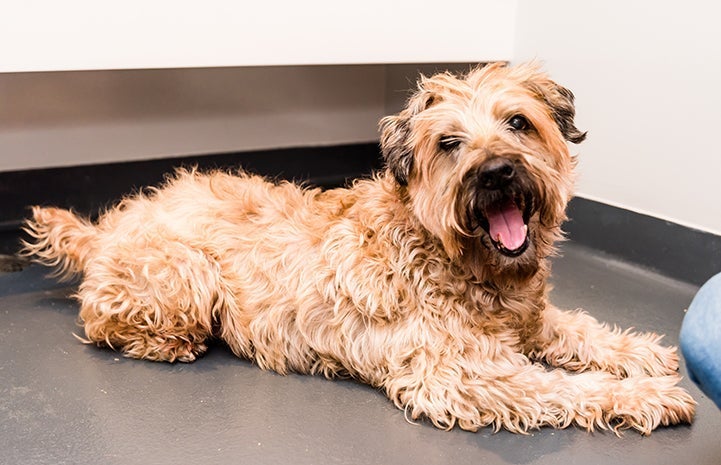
[(47, 35), (647, 77)]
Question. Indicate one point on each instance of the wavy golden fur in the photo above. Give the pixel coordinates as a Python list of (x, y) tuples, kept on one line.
[(428, 280)]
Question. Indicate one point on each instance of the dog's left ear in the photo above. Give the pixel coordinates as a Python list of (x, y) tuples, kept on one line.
[(396, 147), (561, 102), (564, 111)]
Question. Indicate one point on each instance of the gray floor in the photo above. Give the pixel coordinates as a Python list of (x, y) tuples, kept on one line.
[(65, 402)]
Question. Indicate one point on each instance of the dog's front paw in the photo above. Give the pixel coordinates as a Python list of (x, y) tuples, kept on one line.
[(645, 403), (641, 354), (664, 361)]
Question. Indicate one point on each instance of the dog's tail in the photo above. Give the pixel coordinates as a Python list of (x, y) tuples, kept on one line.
[(58, 239)]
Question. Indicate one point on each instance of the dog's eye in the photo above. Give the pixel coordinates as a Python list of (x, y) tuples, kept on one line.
[(449, 143), (519, 123)]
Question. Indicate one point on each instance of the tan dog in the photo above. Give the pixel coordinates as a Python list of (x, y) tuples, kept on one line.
[(428, 281)]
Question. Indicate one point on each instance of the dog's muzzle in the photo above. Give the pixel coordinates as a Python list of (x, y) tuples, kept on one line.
[(504, 207)]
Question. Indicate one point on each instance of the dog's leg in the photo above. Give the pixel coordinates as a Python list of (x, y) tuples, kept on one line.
[(576, 341), (155, 302), (508, 392)]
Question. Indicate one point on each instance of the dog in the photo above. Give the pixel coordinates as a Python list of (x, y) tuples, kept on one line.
[(427, 280)]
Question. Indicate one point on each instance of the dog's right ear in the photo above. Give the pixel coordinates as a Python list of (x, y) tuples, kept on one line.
[(397, 153), (396, 146)]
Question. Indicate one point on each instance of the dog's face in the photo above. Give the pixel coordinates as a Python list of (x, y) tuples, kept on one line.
[(484, 161)]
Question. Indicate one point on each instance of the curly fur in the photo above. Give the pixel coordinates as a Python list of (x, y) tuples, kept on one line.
[(393, 281)]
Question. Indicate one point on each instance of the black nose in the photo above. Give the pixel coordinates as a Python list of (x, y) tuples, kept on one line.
[(497, 173)]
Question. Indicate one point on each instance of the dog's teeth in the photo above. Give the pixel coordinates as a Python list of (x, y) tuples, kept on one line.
[(525, 229)]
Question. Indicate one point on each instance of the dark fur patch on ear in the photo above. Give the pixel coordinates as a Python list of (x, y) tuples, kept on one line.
[(394, 146), (564, 112), (395, 130), (561, 103)]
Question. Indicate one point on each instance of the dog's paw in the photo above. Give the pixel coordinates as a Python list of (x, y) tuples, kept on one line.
[(645, 403), (662, 360), (641, 354)]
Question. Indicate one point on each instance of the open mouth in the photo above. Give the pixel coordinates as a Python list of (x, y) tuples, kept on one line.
[(506, 222)]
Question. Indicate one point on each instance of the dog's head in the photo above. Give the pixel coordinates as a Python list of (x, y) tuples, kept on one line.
[(484, 162)]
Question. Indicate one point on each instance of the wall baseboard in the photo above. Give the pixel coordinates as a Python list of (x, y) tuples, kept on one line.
[(671, 249)]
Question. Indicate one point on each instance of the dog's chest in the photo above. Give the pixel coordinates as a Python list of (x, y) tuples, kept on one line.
[(511, 315)]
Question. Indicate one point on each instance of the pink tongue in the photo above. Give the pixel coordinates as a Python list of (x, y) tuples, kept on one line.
[(506, 225)]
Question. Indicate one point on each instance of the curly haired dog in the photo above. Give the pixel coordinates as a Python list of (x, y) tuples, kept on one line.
[(428, 280)]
